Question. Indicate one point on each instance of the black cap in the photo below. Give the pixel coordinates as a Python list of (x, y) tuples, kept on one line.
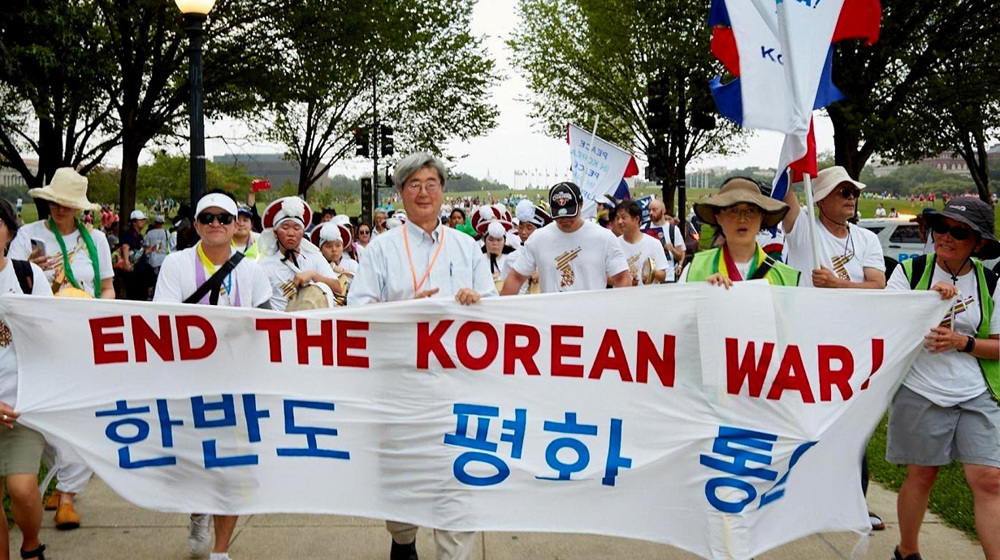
[(976, 214), (564, 200)]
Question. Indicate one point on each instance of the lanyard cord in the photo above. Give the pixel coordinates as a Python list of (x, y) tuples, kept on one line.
[(409, 257)]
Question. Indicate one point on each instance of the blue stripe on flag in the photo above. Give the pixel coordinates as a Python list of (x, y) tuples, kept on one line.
[(719, 15), (622, 192), (781, 185), (827, 93), (728, 99)]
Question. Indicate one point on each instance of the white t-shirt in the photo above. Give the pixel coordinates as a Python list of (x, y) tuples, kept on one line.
[(497, 274), (79, 257), (668, 233), (179, 276), (880, 212), (571, 262), (508, 265), (636, 254), (8, 358), (156, 237), (847, 257), (280, 275), (949, 378)]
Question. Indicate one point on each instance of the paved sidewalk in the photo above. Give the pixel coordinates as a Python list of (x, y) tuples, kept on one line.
[(115, 530)]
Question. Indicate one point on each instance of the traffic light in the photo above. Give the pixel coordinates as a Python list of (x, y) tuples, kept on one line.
[(385, 140), (361, 141), (657, 119)]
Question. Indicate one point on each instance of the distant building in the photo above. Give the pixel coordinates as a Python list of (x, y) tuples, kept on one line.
[(9, 177), (273, 167), (956, 165)]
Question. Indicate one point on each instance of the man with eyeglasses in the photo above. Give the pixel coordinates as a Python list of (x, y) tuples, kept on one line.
[(422, 258), (849, 256), (203, 274)]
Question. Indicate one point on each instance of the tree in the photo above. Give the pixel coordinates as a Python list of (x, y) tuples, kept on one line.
[(150, 87), (168, 177), (52, 62), (966, 110), (890, 89), (597, 57), (434, 78)]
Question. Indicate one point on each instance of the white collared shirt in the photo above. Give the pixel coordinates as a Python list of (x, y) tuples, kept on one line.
[(386, 273)]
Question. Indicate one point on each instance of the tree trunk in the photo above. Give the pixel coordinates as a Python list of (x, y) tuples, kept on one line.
[(846, 142), (131, 147), (974, 151)]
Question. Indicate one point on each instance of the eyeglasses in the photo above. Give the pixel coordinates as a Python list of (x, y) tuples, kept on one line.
[(734, 212), (848, 192), (206, 218), (363, 232), (429, 186), (958, 233)]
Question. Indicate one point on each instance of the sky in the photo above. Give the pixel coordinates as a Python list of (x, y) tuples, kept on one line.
[(517, 143)]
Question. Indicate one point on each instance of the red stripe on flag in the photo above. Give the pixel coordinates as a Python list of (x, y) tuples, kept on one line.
[(859, 19), (808, 163), (632, 169), (724, 49)]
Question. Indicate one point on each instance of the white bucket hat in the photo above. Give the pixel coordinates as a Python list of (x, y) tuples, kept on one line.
[(828, 179), (67, 188)]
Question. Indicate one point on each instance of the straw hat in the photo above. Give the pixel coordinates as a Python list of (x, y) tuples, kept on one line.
[(67, 188), (741, 191), (829, 179)]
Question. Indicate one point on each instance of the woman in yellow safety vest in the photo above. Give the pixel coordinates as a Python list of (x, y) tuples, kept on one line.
[(740, 211)]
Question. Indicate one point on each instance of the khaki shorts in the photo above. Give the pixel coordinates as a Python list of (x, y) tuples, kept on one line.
[(923, 433), (20, 450)]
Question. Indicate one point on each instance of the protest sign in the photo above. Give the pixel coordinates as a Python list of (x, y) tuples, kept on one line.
[(598, 168), (716, 428)]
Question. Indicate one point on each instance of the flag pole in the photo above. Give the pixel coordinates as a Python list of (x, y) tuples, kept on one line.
[(593, 134), (810, 204)]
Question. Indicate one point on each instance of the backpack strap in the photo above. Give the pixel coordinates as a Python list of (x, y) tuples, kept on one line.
[(26, 277), (991, 280), (214, 283), (763, 269)]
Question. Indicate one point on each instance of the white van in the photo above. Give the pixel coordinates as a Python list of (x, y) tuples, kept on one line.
[(900, 238)]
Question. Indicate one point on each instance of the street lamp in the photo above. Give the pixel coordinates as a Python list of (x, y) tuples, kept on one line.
[(195, 13)]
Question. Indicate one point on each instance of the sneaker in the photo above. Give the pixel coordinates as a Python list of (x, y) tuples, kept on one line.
[(403, 551), (199, 540), (897, 556), (219, 556)]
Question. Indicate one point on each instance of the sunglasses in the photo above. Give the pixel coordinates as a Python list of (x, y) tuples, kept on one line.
[(363, 232), (958, 233), (206, 218), (848, 192)]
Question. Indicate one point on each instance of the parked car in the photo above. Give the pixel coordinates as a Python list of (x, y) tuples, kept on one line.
[(900, 238)]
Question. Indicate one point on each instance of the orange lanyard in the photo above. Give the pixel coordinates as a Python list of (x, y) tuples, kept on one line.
[(409, 257)]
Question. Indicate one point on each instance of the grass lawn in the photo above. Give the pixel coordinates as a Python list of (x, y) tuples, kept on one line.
[(951, 498)]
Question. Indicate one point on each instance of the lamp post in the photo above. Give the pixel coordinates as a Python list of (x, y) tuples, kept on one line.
[(195, 13)]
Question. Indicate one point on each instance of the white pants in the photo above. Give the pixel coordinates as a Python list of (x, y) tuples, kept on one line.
[(451, 545), (71, 478)]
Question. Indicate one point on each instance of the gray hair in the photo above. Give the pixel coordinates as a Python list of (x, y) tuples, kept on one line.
[(415, 162)]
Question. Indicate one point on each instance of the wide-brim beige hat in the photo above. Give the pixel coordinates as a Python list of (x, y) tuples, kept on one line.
[(67, 188), (829, 179), (741, 191)]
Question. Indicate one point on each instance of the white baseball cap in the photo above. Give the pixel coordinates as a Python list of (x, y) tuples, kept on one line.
[(136, 215)]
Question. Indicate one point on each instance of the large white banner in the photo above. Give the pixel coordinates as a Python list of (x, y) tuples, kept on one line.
[(721, 422)]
